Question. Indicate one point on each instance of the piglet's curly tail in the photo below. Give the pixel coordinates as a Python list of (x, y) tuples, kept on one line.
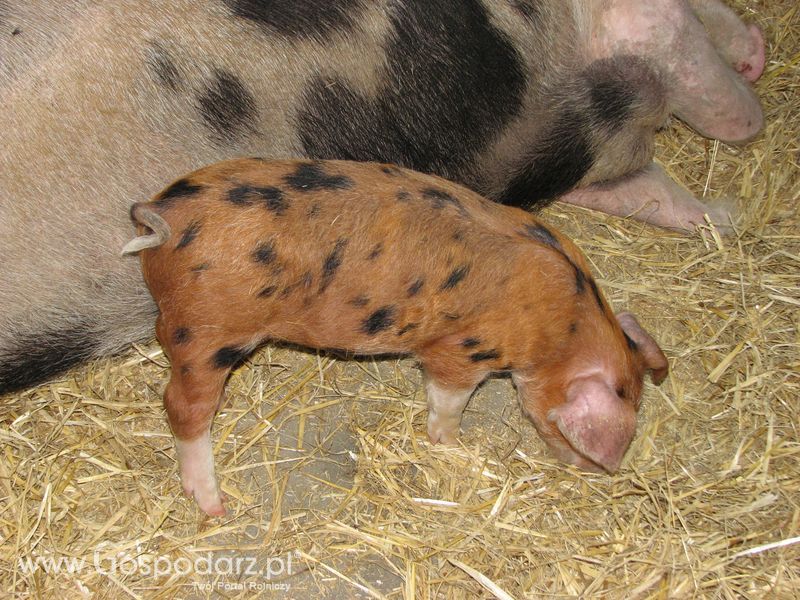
[(142, 213)]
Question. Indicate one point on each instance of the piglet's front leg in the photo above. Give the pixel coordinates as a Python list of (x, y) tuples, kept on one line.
[(445, 409)]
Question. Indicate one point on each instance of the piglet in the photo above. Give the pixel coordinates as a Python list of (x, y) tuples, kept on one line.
[(372, 259)]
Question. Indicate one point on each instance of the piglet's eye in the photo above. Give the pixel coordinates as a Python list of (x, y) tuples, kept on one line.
[(620, 392)]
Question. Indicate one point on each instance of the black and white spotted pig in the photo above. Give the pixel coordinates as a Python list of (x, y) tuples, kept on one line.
[(374, 259), (521, 100)]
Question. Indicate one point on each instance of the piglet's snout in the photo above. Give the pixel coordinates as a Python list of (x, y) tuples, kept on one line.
[(597, 423)]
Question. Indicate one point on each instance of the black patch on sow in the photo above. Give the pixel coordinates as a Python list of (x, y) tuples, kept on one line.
[(37, 357), (556, 164), (162, 66), (453, 81), (299, 18), (227, 107)]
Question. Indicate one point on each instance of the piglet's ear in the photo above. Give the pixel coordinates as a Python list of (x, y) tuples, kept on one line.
[(596, 422), (654, 358)]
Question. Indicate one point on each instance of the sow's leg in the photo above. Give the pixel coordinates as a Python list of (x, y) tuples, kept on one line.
[(705, 71), (651, 196), (742, 46), (705, 90)]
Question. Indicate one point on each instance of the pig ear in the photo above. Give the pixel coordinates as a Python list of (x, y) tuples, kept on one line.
[(596, 422), (654, 358)]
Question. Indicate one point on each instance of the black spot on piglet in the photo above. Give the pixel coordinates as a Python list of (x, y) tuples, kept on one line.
[(596, 292), (415, 287), (542, 234), (264, 253), (359, 301), (485, 355), (455, 277), (268, 291), (182, 335), (380, 320), (580, 279), (189, 234), (406, 328), (310, 176), (229, 356), (391, 170), (182, 188), (332, 263), (247, 195), (439, 199)]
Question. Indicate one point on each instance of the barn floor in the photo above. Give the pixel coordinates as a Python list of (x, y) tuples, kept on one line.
[(333, 490)]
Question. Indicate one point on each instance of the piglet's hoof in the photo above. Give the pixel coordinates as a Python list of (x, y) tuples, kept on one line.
[(441, 433), (209, 500)]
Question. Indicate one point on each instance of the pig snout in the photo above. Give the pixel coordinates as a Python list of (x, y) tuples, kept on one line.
[(598, 424), (588, 417)]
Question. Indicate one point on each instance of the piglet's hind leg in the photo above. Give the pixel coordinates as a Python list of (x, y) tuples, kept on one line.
[(196, 461), (191, 400)]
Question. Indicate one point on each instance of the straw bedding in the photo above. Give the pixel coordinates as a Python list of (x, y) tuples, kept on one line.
[(333, 490)]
